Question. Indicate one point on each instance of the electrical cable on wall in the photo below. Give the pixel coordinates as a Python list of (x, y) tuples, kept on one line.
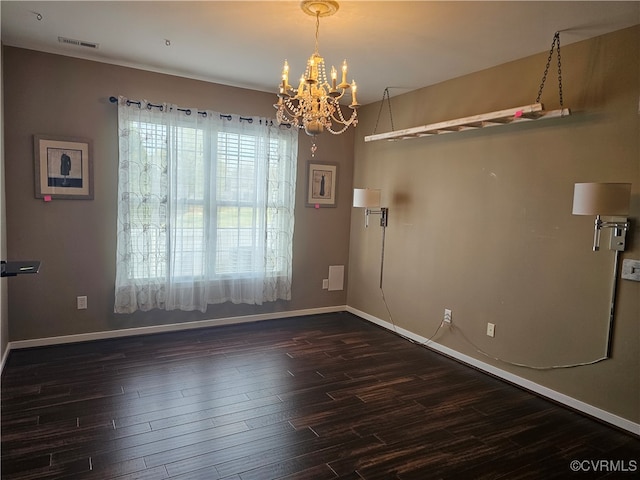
[(386, 305), (395, 328), (534, 367)]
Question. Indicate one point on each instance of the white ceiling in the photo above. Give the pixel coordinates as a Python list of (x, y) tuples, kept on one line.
[(400, 44)]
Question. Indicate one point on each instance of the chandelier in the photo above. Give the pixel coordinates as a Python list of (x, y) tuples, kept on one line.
[(315, 104)]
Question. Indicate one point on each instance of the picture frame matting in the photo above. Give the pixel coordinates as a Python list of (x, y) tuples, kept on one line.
[(322, 183), (63, 167)]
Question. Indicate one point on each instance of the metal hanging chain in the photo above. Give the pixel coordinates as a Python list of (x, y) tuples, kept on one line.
[(384, 94), (556, 39)]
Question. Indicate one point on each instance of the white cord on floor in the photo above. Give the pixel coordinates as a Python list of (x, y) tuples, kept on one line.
[(478, 349), (534, 367)]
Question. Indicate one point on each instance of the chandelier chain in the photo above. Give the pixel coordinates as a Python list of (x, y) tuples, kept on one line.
[(556, 39), (317, 31)]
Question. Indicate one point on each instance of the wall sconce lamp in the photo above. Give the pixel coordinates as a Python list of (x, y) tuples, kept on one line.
[(369, 199), (609, 199)]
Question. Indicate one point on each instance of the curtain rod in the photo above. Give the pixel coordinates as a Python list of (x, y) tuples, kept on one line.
[(187, 111)]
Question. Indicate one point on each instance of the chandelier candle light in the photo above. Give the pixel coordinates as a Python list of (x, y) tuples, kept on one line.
[(315, 104)]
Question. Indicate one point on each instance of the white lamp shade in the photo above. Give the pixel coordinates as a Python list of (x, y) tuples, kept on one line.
[(366, 197), (601, 199)]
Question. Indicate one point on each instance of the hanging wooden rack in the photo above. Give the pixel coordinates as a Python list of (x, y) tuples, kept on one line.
[(509, 116)]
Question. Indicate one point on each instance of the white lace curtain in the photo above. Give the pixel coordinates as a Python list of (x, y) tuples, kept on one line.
[(205, 208)]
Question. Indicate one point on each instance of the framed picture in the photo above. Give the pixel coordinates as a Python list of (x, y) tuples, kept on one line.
[(63, 167), (322, 182)]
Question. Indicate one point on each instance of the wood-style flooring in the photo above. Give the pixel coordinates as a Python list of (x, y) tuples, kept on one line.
[(320, 397)]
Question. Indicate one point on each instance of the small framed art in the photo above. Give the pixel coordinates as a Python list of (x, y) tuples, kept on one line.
[(322, 182), (63, 168)]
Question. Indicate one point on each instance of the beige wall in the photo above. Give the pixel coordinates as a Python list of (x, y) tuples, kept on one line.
[(75, 239), (481, 223)]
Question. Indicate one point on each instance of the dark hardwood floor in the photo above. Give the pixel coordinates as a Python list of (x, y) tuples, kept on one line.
[(321, 397)]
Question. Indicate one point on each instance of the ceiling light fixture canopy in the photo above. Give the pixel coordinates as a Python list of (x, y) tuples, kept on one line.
[(315, 104)]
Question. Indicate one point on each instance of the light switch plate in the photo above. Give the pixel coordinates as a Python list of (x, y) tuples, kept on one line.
[(631, 269)]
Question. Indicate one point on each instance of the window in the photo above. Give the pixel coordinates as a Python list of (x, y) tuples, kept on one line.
[(205, 209)]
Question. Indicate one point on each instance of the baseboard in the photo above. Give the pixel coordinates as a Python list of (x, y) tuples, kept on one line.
[(4, 358), (173, 327), (541, 390)]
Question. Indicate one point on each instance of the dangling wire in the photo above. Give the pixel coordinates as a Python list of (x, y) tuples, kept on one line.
[(385, 94), (556, 39)]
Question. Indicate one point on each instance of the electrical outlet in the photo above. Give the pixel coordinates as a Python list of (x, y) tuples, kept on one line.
[(491, 329), (81, 302), (447, 316)]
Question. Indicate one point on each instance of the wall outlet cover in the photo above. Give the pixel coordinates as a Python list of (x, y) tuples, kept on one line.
[(631, 269), (81, 302), (491, 329)]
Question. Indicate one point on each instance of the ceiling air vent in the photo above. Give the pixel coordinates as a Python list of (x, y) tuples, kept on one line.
[(77, 43)]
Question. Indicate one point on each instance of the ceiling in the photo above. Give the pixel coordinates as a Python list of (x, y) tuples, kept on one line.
[(405, 45)]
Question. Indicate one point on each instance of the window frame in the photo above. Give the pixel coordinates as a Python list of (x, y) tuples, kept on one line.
[(211, 205)]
